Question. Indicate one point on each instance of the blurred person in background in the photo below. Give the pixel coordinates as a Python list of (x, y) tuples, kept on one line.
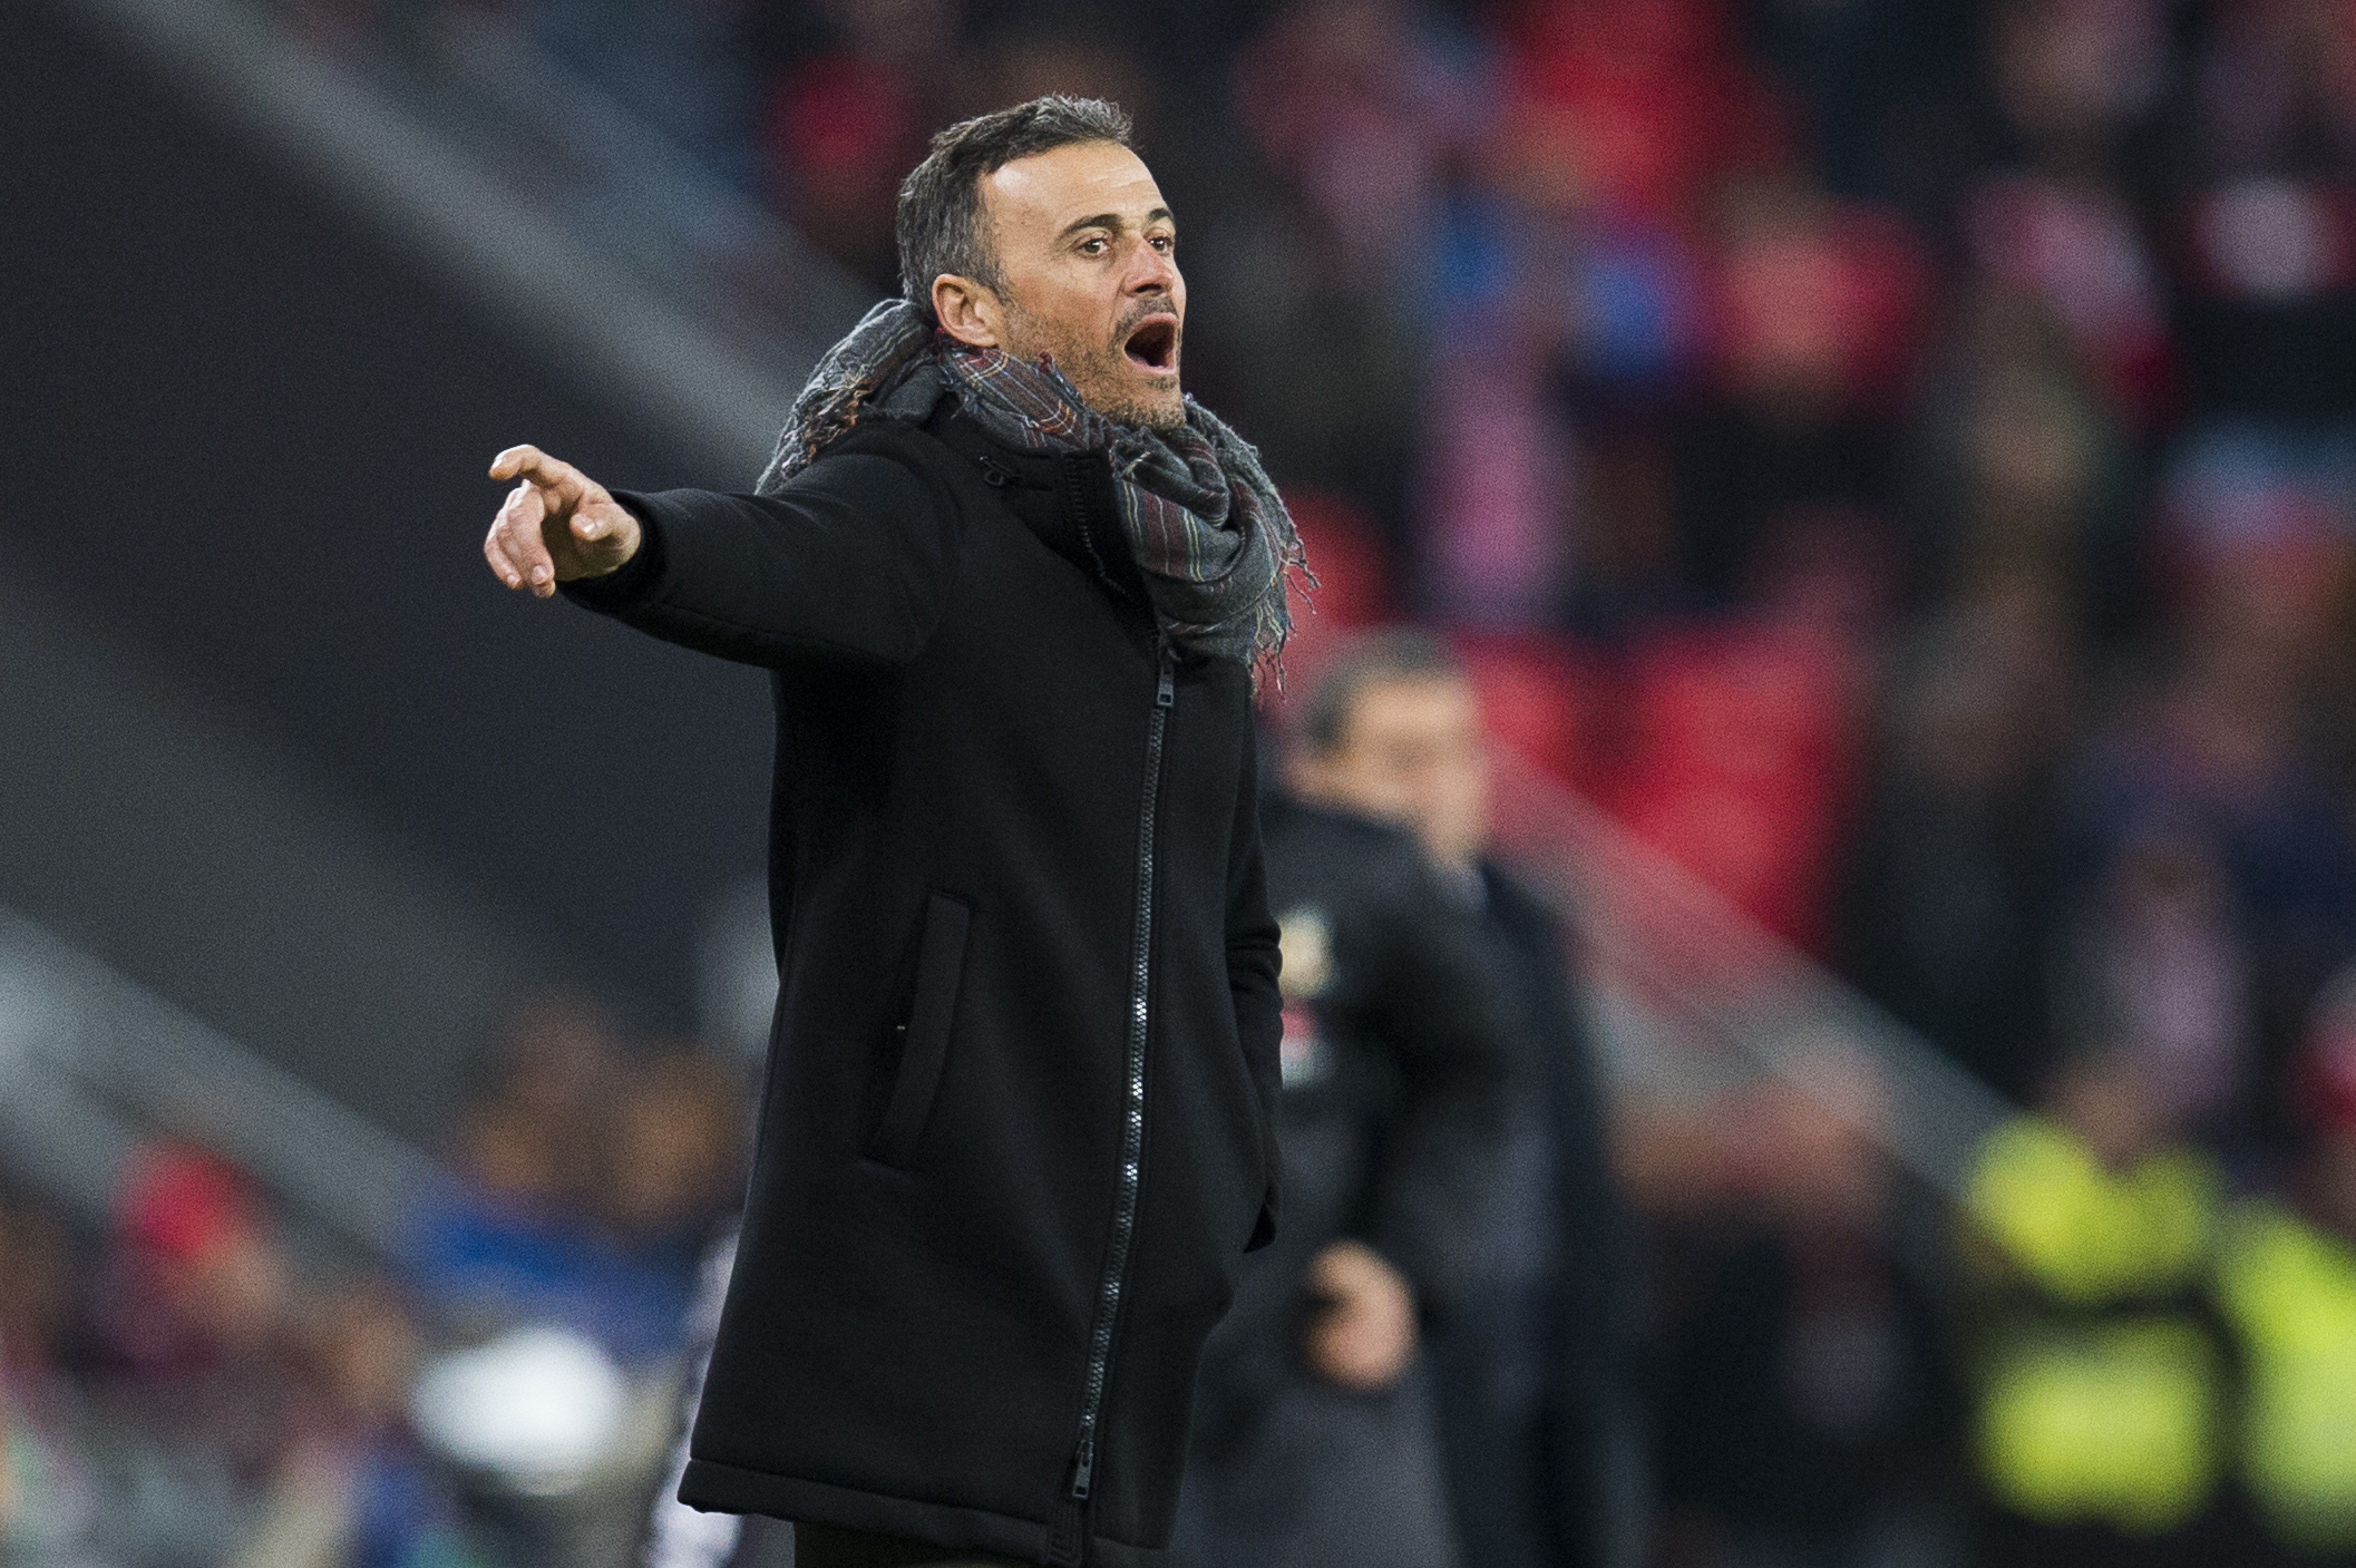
[(1534, 1375), (591, 1179), (355, 1488), (1816, 320), (2159, 972), (560, 1267), (2099, 1419), (736, 967), (1805, 1410), (192, 1387), (2226, 749), (2286, 1286), (671, 1173), (1014, 585), (516, 1239), (2258, 217), (1315, 1440), (2019, 470), (1350, 121), (1954, 886)]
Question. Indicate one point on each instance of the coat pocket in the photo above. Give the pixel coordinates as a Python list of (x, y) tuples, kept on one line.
[(924, 1054)]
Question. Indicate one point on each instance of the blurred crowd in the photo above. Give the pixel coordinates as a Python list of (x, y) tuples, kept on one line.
[(196, 1379), (1898, 457)]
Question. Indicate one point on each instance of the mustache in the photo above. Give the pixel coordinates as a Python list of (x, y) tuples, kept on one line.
[(1155, 305)]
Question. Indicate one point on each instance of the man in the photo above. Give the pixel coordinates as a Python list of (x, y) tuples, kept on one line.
[(1534, 1373), (1015, 1138), (1315, 1446)]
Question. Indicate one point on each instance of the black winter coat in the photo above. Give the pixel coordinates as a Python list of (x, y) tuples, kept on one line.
[(1015, 1136)]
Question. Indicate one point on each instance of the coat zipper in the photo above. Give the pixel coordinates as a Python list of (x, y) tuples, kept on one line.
[(1067, 1538)]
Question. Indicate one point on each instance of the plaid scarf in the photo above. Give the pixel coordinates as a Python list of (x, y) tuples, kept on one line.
[(1210, 534)]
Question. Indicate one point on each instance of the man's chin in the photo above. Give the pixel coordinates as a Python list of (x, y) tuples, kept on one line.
[(1157, 410), (1119, 392), (1115, 388)]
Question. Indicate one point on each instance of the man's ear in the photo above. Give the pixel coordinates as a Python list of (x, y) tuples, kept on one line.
[(967, 311)]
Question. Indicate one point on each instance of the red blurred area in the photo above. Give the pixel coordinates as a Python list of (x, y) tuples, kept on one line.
[(1735, 751), (1631, 106), (1813, 301)]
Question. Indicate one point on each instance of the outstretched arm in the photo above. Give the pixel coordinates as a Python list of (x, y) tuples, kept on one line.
[(849, 561)]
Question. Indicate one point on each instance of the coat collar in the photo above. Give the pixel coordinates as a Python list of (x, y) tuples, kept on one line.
[(1065, 499)]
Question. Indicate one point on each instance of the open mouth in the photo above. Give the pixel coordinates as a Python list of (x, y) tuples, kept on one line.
[(1153, 345)]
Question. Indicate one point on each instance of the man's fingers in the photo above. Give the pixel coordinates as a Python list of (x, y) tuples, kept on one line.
[(510, 463), (598, 517), (502, 549), (522, 549), (503, 564), (501, 567), (523, 507), (517, 534), (530, 548), (534, 466)]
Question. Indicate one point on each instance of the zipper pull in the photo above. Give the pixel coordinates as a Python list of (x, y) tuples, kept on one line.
[(992, 475), (1166, 693), (1084, 1468)]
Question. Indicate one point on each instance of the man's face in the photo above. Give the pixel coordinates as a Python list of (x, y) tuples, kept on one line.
[(1411, 753), (1087, 259)]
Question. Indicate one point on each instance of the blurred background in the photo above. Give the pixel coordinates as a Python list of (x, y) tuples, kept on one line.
[(1888, 465)]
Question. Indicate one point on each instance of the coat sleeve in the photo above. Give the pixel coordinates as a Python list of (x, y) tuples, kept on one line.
[(1253, 961), (852, 559)]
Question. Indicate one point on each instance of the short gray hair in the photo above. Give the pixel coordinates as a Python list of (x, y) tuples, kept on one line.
[(938, 222), (1388, 655)]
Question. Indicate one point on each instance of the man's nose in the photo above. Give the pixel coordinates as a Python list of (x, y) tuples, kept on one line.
[(1150, 272)]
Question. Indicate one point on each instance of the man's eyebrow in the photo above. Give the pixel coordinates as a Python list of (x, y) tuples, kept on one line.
[(1112, 220)]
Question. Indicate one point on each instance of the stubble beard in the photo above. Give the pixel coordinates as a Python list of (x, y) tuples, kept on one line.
[(1097, 371)]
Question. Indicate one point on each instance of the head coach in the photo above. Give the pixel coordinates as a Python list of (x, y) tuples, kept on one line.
[(1015, 1136)]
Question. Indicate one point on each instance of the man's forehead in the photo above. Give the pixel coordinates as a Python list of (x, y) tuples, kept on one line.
[(1050, 190), (1390, 703)]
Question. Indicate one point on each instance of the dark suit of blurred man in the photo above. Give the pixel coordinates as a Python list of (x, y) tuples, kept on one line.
[(1536, 1373)]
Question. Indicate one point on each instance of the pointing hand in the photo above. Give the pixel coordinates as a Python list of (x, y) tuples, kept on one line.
[(556, 525)]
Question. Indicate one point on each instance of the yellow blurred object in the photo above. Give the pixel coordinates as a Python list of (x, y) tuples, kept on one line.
[(2101, 1395), (2289, 1290), (2083, 1234), (2111, 1424)]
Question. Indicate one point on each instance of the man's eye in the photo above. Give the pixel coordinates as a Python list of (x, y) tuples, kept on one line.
[(1092, 247), (1165, 243)]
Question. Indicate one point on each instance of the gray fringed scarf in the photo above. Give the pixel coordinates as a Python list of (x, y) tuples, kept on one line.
[(1210, 534)]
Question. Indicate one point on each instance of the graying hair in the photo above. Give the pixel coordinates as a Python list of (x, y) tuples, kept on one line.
[(938, 220), (1388, 655)]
